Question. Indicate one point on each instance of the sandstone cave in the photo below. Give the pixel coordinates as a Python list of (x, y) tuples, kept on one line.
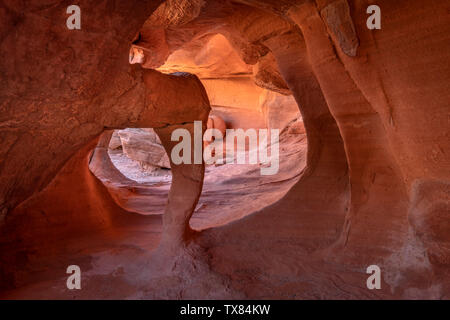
[(362, 119)]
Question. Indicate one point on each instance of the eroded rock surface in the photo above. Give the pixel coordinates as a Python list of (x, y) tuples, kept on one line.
[(374, 105)]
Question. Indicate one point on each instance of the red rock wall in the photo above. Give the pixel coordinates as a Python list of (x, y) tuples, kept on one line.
[(375, 108)]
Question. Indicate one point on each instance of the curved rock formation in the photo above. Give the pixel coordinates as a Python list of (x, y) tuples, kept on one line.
[(374, 104)]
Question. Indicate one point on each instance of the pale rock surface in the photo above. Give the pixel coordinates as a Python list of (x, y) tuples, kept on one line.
[(115, 142), (278, 110), (144, 146)]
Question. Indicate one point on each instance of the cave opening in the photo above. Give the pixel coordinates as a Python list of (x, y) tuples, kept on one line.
[(230, 190), (242, 97), (132, 164)]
